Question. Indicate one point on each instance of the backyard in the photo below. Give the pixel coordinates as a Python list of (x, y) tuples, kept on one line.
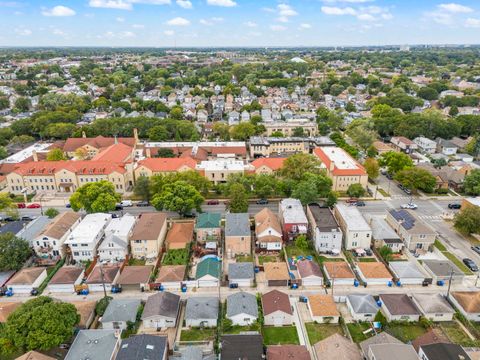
[(197, 334), (176, 257), (268, 258), (356, 331), (405, 332), (318, 332), (280, 335), (244, 258), (456, 334)]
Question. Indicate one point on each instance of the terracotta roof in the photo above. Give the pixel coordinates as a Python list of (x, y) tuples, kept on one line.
[(308, 268), (374, 270), (81, 167), (180, 235), (267, 219), (60, 225), (288, 352), (356, 170), (84, 309), (167, 164), (338, 347), (148, 226), (34, 355), (276, 300), (26, 276), (99, 142), (271, 163), (379, 145), (322, 305), (109, 274), (66, 275), (338, 270), (399, 304), (6, 308), (116, 153), (134, 275), (171, 273), (468, 300), (276, 271)]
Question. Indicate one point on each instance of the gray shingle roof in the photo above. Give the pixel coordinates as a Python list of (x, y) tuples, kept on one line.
[(433, 303), (406, 269), (121, 310), (162, 303), (34, 228), (202, 308), (144, 347), (240, 271), (242, 303), (237, 225), (363, 303), (93, 345)]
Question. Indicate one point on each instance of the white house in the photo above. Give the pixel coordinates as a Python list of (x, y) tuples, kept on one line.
[(362, 307), (277, 310), (323, 309), (242, 308), (201, 311), (356, 231), (324, 230), (433, 307), (426, 145), (115, 245), (119, 313), (161, 311), (399, 307), (84, 239)]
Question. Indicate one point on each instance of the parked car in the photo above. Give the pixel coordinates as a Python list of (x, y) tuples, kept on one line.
[(68, 206), (454, 206), (262, 201), (407, 191), (6, 218), (143, 203), (476, 249), (410, 206), (352, 201), (34, 206), (118, 207), (213, 202), (383, 172), (400, 186), (126, 203), (27, 218), (470, 264), (190, 214), (389, 176), (114, 216), (21, 205), (360, 203)]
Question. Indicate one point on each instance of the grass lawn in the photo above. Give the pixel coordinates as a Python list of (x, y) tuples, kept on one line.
[(439, 245), (293, 251), (280, 335), (176, 257), (452, 257), (356, 331), (197, 334), (237, 329), (383, 192), (405, 332), (321, 259), (267, 258), (318, 332), (136, 262), (456, 334), (244, 258)]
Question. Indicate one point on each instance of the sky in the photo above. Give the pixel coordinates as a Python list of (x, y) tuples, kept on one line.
[(220, 23)]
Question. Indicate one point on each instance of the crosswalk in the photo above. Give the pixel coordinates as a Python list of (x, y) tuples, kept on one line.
[(430, 217)]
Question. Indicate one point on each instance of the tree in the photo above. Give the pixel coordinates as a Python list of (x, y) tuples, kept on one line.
[(427, 93), (471, 184), (467, 220), (142, 188), (301, 242), (395, 161), (277, 134), (372, 168), (95, 197), (306, 191), (40, 323), (81, 153), (6, 201), (331, 199), (51, 212), (296, 166), (243, 131), (158, 133), (22, 104), (356, 191), (265, 185), (298, 132), (3, 152), (386, 253), (238, 199), (13, 252), (56, 155), (178, 196), (416, 179)]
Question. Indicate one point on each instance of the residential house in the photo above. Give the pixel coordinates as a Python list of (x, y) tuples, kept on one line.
[(267, 146), (467, 302), (49, 243), (378, 339), (391, 352), (27, 279), (446, 147), (443, 271), (119, 313), (399, 307), (148, 235), (277, 310), (382, 147), (443, 351), (143, 346), (292, 218), (85, 238), (407, 272), (115, 245), (362, 307), (34, 355), (180, 235), (373, 273), (161, 311), (324, 229), (268, 231), (201, 311), (208, 272), (238, 238), (241, 274), (95, 345), (403, 144), (241, 346), (33, 229), (135, 277), (383, 234), (208, 229), (425, 145), (276, 273), (150, 166), (103, 277), (288, 352), (310, 273), (356, 231), (341, 168), (93, 146), (242, 308), (322, 309), (433, 307), (340, 346), (414, 232), (65, 279), (171, 276), (338, 273), (267, 165), (432, 336)]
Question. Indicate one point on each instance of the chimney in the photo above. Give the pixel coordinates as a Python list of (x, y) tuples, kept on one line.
[(84, 135), (135, 134), (35, 156), (148, 152), (332, 165), (116, 140)]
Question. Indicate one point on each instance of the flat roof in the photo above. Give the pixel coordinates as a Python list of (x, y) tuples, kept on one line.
[(352, 217), (443, 268), (221, 164), (88, 229), (324, 218), (26, 153)]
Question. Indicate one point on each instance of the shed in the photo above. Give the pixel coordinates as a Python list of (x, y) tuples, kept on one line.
[(408, 272)]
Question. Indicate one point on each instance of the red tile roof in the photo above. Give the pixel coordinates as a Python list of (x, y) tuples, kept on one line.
[(99, 142), (84, 167), (117, 153), (271, 163), (167, 164), (358, 170)]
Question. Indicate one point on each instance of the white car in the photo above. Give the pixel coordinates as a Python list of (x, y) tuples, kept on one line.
[(126, 203), (410, 206)]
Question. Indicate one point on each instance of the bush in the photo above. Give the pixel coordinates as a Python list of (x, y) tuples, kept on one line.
[(102, 305), (51, 212)]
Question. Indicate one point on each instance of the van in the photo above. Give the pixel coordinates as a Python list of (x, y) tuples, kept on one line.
[(126, 203)]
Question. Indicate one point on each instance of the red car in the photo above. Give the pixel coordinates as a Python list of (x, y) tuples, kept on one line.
[(213, 202), (34, 206), (21, 205)]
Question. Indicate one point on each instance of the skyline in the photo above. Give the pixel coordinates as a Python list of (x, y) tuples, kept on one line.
[(237, 23)]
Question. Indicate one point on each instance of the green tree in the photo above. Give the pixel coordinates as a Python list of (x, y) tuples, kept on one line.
[(356, 191), (467, 220), (39, 324), (395, 161), (386, 253), (372, 168), (471, 184), (221, 130), (22, 104), (416, 179), (5, 201), (238, 199), (13, 252), (95, 197), (142, 188), (3, 152), (296, 166), (299, 132), (243, 131), (331, 199), (158, 133), (56, 155), (51, 212), (301, 242), (265, 185), (306, 191), (427, 93), (178, 196)]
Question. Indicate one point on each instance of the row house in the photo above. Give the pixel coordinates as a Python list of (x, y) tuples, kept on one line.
[(115, 245), (162, 166), (292, 218), (403, 144), (268, 230), (287, 128), (324, 229), (148, 235)]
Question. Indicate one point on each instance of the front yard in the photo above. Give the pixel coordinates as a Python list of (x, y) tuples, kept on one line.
[(280, 335), (318, 332)]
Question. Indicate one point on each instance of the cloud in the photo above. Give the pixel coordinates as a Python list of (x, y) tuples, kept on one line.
[(111, 4), (224, 3), (363, 13), (333, 10), (186, 4), (347, 1), (455, 8), (472, 23), (10, 4), (126, 34), (211, 21), (120, 35), (58, 10), (366, 17), (250, 24), (169, 32), (138, 26), (285, 11), (268, 9), (120, 19), (277, 28), (305, 26), (178, 21), (23, 32)]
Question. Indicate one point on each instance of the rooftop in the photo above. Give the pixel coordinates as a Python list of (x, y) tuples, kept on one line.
[(276, 271), (221, 164), (324, 219), (288, 352), (338, 270), (66, 275), (237, 224), (89, 228), (399, 304), (26, 276), (363, 303), (171, 273), (407, 269), (276, 301), (443, 268), (147, 347), (93, 345), (208, 220), (292, 212), (352, 217), (243, 270), (338, 346), (162, 303), (242, 303), (202, 307), (374, 270), (411, 222), (242, 346), (468, 300), (322, 305), (149, 226), (432, 303), (121, 310), (343, 164), (135, 275)]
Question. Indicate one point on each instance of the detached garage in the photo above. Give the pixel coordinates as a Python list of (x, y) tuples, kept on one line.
[(24, 281), (65, 279), (310, 273)]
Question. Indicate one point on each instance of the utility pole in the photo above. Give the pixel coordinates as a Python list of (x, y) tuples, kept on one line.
[(103, 281), (449, 283)]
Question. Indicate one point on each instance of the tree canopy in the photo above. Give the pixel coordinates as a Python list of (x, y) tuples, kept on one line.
[(95, 197), (178, 196), (13, 252)]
